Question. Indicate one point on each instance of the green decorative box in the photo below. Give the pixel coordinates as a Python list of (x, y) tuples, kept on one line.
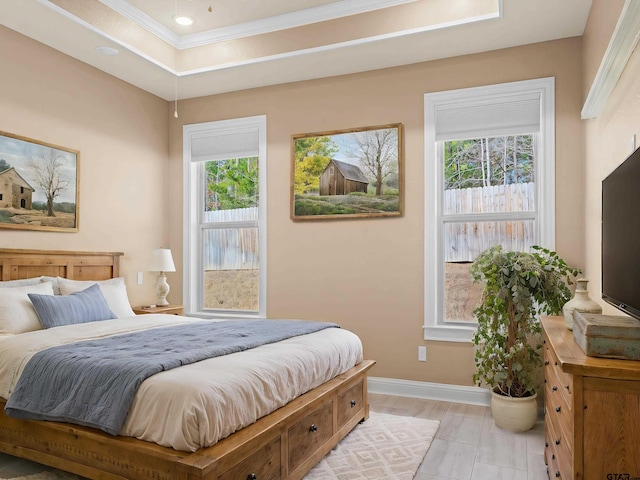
[(607, 336)]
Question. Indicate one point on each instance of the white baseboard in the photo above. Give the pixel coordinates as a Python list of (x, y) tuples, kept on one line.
[(430, 391)]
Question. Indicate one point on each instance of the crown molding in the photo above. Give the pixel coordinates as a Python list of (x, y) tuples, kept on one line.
[(65, 13), (339, 45), (623, 41), (140, 18), (300, 18)]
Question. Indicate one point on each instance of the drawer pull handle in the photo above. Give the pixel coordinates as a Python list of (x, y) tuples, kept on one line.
[(546, 444), (553, 457), (252, 476), (557, 474), (567, 387), (546, 362), (352, 403), (558, 409), (558, 442), (313, 428), (554, 388)]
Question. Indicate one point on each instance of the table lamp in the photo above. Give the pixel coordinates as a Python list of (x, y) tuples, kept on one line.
[(162, 261)]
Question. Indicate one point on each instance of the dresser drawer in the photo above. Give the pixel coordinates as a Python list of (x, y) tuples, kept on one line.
[(561, 384), (310, 432), (558, 453), (551, 362), (556, 471), (557, 412), (350, 402), (264, 463)]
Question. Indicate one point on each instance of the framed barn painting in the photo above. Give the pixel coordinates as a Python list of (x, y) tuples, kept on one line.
[(354, 173), (38, 185)]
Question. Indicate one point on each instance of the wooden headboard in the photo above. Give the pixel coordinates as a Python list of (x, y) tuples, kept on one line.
[(17, 264)]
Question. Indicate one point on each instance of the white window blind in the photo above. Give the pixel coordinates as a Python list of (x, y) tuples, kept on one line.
[(515, 115), (227, 143)]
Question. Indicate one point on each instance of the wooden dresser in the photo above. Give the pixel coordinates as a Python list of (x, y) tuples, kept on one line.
[(592, 411)]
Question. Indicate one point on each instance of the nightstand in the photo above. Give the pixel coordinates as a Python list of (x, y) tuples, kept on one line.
[(168, 309)]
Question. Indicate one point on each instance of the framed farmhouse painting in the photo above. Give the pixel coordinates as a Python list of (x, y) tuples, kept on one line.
[(354, 173), (38, 185)]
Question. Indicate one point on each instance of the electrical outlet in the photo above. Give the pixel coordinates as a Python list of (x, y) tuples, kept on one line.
[(139, 278), (633, 142), (422, 354)]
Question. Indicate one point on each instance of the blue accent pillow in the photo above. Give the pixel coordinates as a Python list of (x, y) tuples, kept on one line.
[(88, 305)]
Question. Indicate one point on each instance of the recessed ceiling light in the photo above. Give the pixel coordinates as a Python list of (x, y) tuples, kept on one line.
[(109, 51), (184, 20)]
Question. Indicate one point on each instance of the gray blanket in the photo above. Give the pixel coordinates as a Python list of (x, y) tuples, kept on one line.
[(93, 383)]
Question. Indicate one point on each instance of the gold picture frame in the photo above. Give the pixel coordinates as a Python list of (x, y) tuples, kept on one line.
[(352, 173), (39, 185)]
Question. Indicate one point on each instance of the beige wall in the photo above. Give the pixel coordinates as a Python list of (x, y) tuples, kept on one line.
[(121, 133), (367, 275), (607, 139)]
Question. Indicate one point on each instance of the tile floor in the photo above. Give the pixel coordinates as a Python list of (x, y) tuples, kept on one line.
[(468, 445)]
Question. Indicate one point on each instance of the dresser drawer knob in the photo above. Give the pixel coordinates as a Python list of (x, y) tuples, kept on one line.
[(313, 428), (558, 409), (558, 442), (546, 444), (554, 388), (252, 476), (546, 362), (553, 457), (352, 403), (557, 474)]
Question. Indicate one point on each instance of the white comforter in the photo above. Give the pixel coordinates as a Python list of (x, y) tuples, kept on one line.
[(196, 405)]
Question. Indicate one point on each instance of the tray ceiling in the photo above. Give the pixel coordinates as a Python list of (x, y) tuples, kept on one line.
[(243, 44)]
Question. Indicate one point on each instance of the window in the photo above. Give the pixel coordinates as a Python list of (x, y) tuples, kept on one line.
[(225, 229), (489, 180)]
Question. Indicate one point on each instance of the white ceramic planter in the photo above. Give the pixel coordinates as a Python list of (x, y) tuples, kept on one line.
[(514, 414)]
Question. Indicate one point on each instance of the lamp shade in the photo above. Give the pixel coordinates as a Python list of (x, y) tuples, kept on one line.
[(162, 261)]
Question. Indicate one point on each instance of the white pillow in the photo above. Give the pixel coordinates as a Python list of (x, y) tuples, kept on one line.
[(114, 291), (25, 282), (54, 280), (17, 314)]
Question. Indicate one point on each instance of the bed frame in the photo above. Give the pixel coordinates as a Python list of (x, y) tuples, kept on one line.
[(284, 445)]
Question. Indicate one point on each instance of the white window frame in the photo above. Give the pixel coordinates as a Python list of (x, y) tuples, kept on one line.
[(193, 287), (435, 327)]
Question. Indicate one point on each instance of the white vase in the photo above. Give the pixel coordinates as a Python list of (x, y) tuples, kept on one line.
[(581, 302), (513, 413)]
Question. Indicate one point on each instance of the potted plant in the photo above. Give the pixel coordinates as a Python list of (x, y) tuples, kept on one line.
[(518, 288)]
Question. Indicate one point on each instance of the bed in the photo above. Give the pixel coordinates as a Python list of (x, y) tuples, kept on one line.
[(283, 444)]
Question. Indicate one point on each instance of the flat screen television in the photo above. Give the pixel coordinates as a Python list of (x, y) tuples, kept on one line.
[(621, 236)]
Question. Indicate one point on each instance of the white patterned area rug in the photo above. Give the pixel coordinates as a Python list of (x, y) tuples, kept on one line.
[(385, 447)]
